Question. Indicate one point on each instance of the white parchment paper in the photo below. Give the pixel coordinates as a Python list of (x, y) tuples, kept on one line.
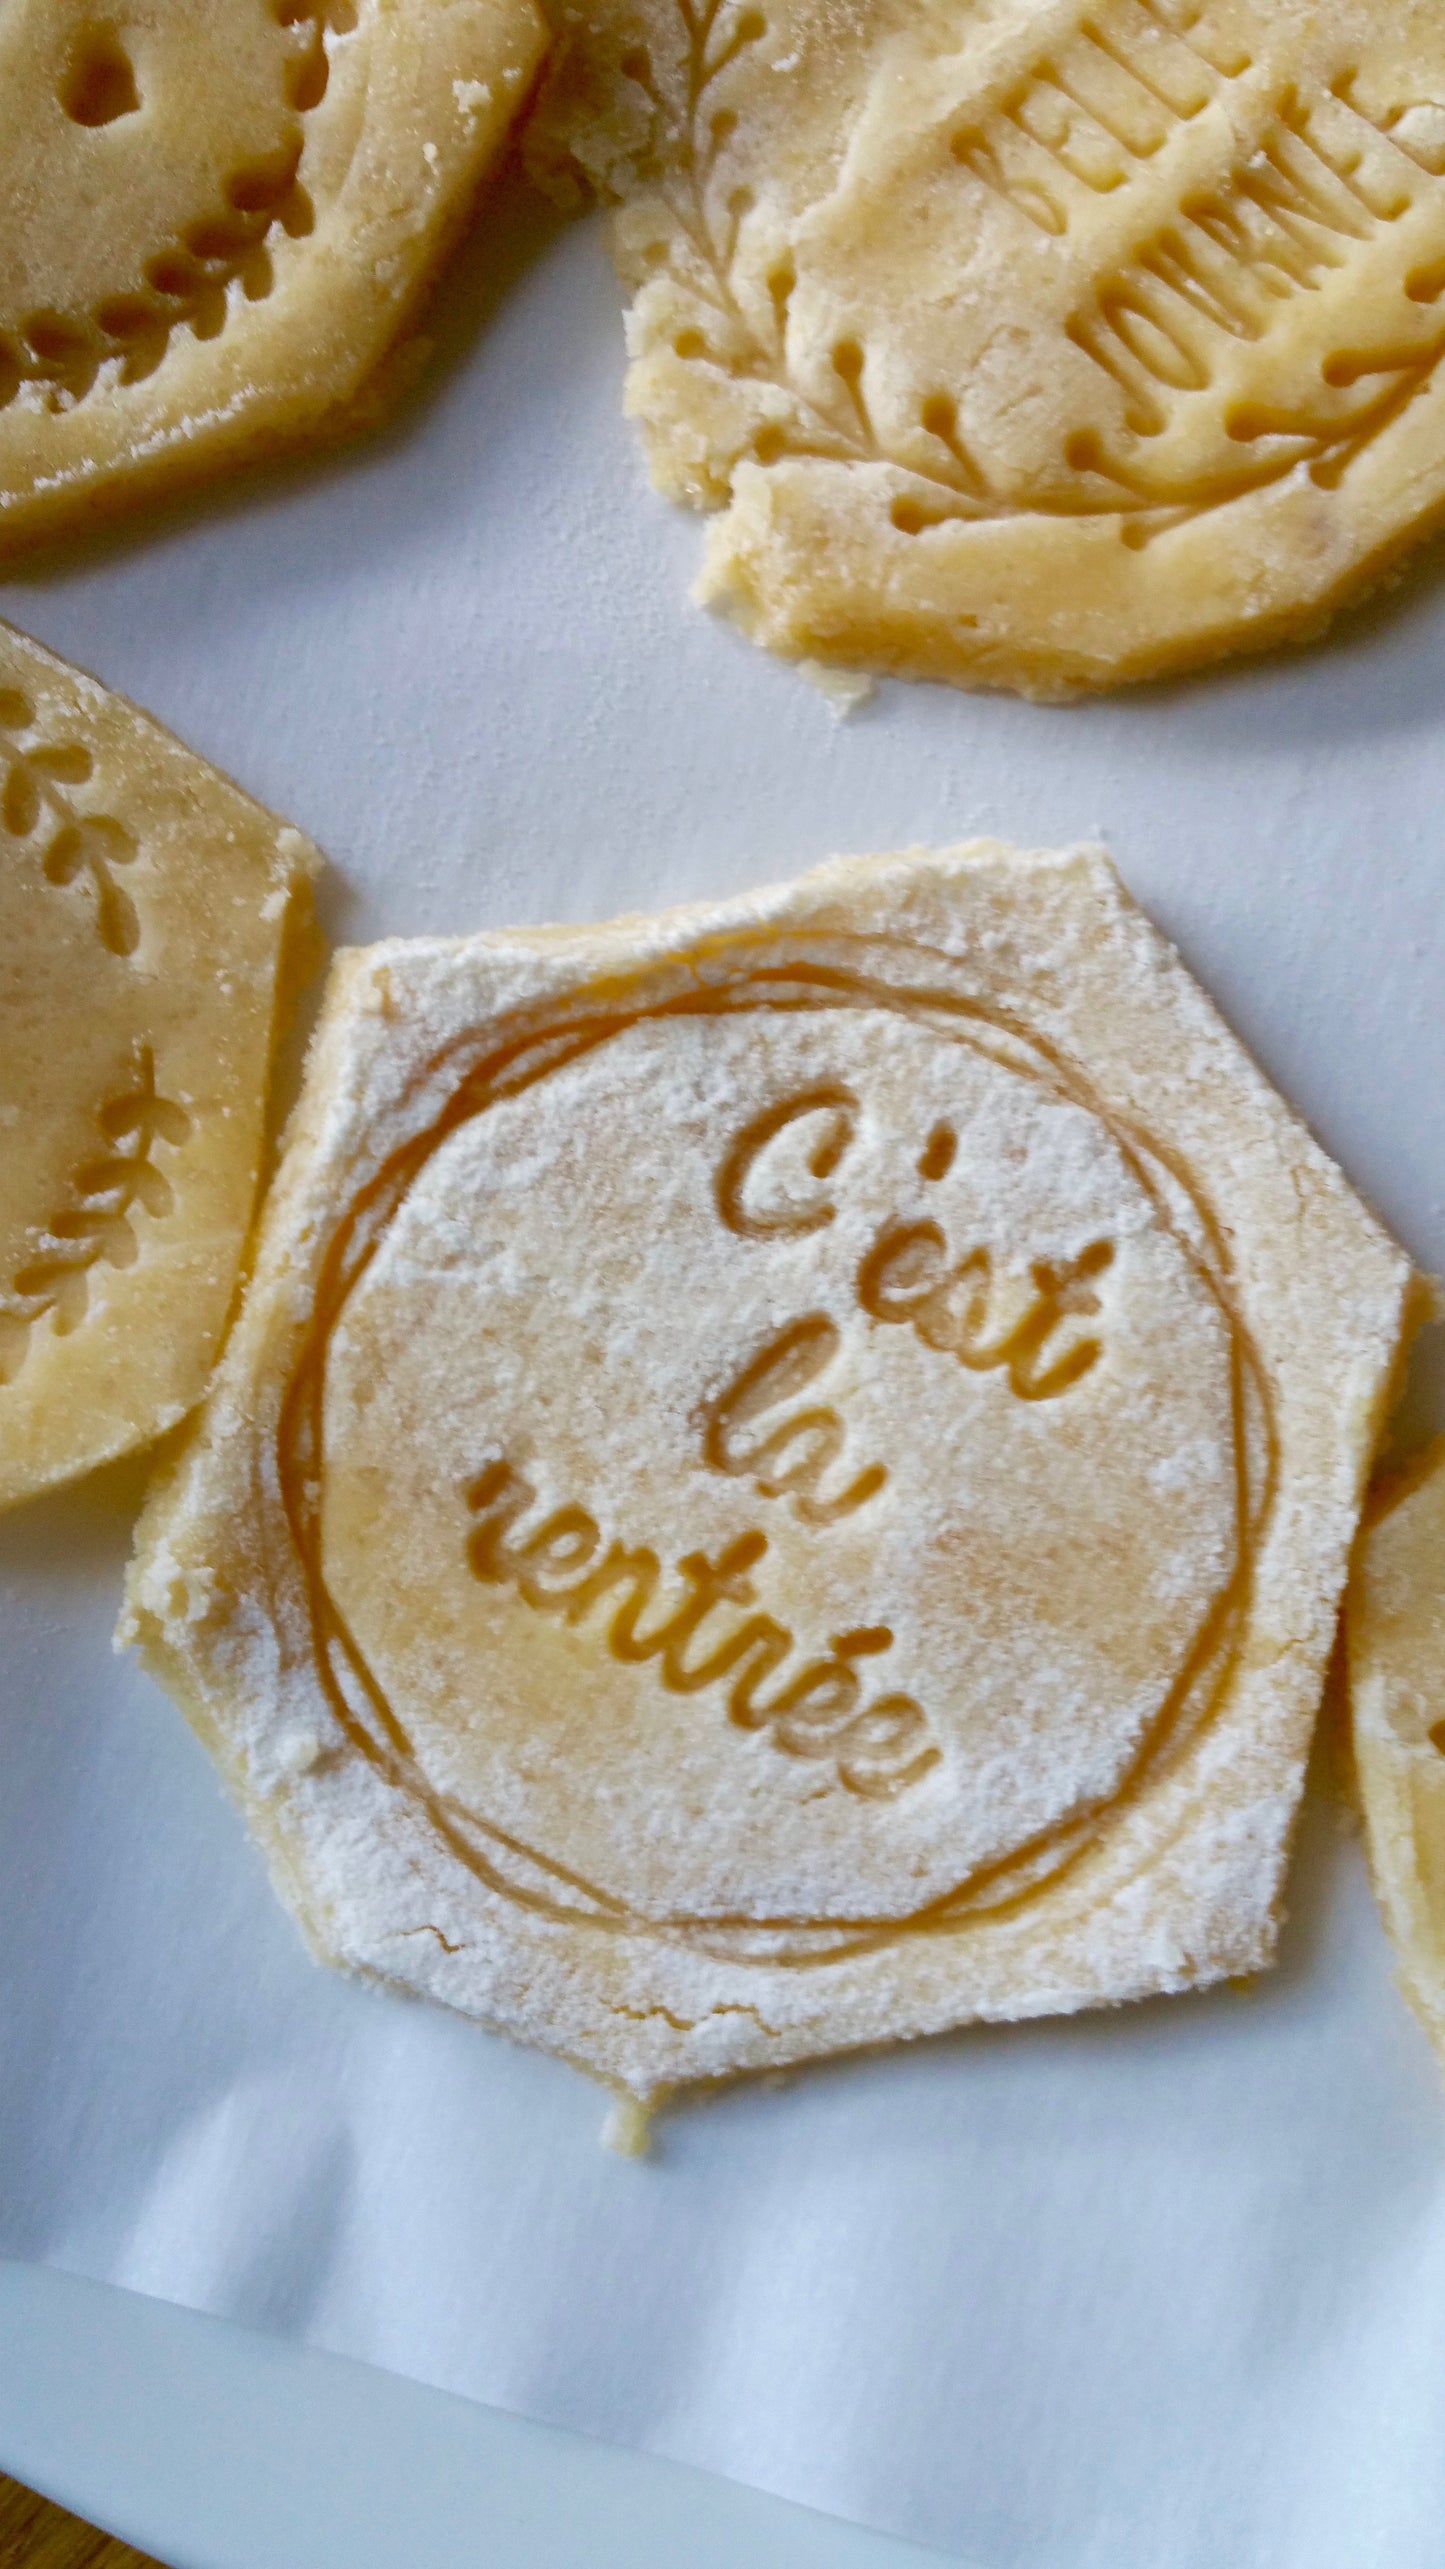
[(1159, 2291)]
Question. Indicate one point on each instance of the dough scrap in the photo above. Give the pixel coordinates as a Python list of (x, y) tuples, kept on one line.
[(784, 1476), (1395, 1633), (149, 914), (217, 217), (1024, 343)]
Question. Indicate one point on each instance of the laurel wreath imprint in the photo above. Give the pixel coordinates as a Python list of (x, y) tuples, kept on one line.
[(714, 34), (94, 1225), (188, 280), (85, 846)]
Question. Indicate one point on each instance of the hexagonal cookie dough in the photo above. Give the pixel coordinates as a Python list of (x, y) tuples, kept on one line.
[(1395, 1631), (785, 1473), (149, 912), (218, 216)]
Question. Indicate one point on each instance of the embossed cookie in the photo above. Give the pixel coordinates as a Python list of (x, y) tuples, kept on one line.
[(1038, 346), (217, 216), (1395, 1630), (785, 1473), (144, 905)]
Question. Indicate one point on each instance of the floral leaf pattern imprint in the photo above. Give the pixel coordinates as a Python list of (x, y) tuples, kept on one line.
[(187, 282), (95, 1224), (88, 846), (946, 318)]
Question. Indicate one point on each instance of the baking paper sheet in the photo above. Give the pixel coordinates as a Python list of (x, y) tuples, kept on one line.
[(1164, 2290)]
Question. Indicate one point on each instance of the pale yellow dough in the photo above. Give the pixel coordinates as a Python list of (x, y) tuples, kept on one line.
[(1018, 342), (216, 218), (784, 1476), (1395, 1624), (148, 909)]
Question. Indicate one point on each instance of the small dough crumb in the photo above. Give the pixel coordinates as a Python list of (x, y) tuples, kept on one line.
[(628, 2128), (844, 691)]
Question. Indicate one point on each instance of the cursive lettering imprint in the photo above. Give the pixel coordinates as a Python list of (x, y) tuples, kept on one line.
[(791, 1459), (906, 1277), (774, 1150), (878, 1749), (960, 1310)]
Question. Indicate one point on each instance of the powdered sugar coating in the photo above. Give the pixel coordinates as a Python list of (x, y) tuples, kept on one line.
[(506, 1845)]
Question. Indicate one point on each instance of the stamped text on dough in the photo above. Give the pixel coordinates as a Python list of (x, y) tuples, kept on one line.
[(560, 1566), (705, 1632), (959, 1307)]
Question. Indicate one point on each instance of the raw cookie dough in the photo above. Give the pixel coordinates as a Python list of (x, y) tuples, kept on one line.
[(217, 216), (1395, 1628), (145, 911), (784, 1477), (1036, 346)]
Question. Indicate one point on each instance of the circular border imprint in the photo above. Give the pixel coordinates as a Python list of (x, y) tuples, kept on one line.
[(501, 1069)]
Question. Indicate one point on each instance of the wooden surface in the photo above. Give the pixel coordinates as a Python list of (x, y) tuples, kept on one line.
[(36, 2535)]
